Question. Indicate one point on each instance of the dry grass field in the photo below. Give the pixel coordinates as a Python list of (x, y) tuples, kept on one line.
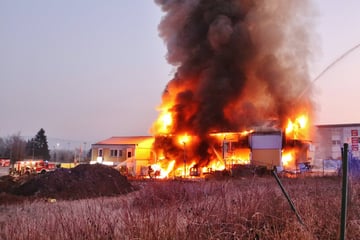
[(247, 208)]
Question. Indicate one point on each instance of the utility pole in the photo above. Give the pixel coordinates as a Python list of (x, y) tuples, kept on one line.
[(33, 151), (224, 150), (84, 154)]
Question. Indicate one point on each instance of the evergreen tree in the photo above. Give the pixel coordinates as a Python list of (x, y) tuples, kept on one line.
[(38, 147)]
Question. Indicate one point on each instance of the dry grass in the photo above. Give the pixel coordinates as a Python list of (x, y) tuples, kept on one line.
[(252, 208)]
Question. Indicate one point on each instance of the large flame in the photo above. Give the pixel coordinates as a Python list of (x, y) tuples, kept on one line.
[(236, 68), (161, 171), (184, 139), (298, 128), (164, 122), (288, 159)]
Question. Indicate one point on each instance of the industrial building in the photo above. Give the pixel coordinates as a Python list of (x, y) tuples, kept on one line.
[(330, 139)]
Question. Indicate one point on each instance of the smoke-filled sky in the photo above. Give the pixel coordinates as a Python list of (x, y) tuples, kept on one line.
[(88, 70), (239, 63)]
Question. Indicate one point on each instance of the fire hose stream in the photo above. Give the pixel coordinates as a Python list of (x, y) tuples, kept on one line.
[(327, 69)]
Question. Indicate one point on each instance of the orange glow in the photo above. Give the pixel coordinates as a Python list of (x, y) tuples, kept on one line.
[(184, 139), (298, 128), (166, 119), (226, 149), (215, 165), (164, 123), (162, 170), (230, 135), (302, 120), (192, 164), (288, 158), (240, 156)]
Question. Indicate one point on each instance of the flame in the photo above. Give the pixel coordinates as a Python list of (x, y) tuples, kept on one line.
[(184, 139), (240, 156), (288, 158), (217, 165), (298, 128), (164, 122), (228, 149), (184, 169), (163, 171), (226, 136)]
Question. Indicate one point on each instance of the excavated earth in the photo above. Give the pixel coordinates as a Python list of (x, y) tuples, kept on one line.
[(83, 181)]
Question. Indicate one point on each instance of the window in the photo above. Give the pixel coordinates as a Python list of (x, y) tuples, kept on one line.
[(129, 154), (120, 153), (113, 153), (100, 152)]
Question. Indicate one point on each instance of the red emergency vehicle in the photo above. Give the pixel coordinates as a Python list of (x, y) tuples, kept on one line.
[(33, 167)]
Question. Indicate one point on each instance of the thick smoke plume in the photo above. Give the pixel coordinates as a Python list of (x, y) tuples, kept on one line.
[(239, 63)]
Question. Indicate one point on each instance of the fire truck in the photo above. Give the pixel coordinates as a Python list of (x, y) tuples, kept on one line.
[(32, 167), (4, 162)]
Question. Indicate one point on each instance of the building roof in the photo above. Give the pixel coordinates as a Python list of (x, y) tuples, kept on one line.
[(342, 125), (129, 140)]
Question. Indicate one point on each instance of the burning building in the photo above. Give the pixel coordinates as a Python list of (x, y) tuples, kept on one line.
[(241, 66)]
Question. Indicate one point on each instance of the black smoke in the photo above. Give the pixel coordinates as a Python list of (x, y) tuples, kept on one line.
[(238, 63)]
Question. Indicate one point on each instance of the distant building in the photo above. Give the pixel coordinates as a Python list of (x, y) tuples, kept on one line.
[(330, 139), (131, 154)]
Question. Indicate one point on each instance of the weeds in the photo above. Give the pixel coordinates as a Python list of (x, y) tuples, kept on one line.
[(251, 208)]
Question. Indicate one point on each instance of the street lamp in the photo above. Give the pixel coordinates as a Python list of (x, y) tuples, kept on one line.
[(57, 151), (84, 154), (183, 140), (224, 150)]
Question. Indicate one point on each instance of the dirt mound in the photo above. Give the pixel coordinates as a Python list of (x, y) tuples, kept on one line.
[(83, 181)]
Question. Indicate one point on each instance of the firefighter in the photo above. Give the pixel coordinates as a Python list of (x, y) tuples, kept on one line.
[(150, 171)]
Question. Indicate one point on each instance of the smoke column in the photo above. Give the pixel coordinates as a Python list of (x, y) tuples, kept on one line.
[(238, 63)]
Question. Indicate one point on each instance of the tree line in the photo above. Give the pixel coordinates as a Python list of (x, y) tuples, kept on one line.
[(16, 148)]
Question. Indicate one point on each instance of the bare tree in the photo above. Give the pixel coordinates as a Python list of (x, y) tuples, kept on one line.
[(13, 147), (3, 148)]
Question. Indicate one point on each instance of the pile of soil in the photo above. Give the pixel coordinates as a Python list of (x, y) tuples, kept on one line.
[(83, 181)]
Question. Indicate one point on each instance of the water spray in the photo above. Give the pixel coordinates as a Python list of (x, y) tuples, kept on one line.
[(328, 68)]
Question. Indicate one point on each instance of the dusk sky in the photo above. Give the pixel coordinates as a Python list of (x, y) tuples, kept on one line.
[(88, 70)]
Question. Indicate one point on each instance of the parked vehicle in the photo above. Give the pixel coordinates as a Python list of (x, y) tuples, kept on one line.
[(4, 162), (32, 167)]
